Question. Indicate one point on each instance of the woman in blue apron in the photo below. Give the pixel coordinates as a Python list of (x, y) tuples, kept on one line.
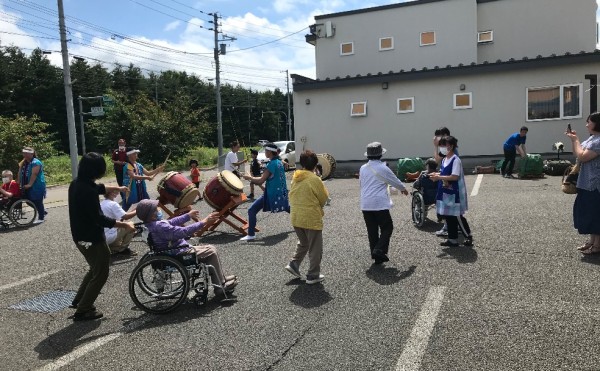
[(32, 181), (134, 178), (451, 199)]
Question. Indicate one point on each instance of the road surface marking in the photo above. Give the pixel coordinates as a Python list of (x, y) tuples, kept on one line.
[(475, 190), (28, 279), (414, 350)]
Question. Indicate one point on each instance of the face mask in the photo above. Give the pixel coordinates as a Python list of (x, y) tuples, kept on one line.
[(444, 150), (5, 180), (159, 215), (121, 148)]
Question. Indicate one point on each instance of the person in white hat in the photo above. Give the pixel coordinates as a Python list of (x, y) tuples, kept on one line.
[(134, 178), (32, 181), (375, 201)]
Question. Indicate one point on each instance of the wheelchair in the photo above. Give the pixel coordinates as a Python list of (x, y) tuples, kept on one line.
[(160, 283), (20, 213), (419, 207)]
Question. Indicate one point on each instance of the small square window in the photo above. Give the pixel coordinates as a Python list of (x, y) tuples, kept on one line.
[(484, 37), (347, 48), (406, 105), (358, 109), (463, 101), (386, 43), (428, 38)]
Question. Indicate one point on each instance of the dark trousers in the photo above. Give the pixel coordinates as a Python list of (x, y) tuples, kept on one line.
[(119, 174), (509, 159), (98, 258), (455, 222), (39, 205), (376, 221)]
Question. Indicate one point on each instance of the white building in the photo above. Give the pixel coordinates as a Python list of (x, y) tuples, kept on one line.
[(483, 68)]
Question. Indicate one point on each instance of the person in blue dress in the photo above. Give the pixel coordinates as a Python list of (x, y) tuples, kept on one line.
[(134, 178), (275, 198), (32, 181), (513, 145), (451, 200)]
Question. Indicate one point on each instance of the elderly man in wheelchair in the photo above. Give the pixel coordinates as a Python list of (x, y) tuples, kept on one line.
[(424, 194), (13, 209), (174, 266)]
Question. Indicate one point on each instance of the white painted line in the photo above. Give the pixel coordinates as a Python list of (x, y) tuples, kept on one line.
[(414, 350), (85, 349), (26, 280), (475, 190)]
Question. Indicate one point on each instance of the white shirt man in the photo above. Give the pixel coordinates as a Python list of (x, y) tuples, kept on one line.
[(117, 239), (231, 160)]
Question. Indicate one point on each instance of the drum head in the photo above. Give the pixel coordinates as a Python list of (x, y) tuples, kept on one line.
[(161, 183), (231, 181), (188, 196), (324, 162)]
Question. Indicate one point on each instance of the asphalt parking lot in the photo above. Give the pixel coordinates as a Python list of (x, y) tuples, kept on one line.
[(521, 299)]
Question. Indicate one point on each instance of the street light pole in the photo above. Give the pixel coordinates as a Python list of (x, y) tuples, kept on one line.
[(68, 89), (289, 116)]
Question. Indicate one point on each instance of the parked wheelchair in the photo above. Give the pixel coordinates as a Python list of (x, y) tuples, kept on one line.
[(422, 200), (160, 283), (19, 213)]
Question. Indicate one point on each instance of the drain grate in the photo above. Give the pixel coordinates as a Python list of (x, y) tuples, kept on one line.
[(52, 301)]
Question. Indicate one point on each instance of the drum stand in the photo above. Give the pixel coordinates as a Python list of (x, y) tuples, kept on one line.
[(225, 213)]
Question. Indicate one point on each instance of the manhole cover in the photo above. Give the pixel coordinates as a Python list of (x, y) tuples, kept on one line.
[(52, 301)]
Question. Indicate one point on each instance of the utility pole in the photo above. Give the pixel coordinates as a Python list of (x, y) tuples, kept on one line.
[(289, 116), (218, 50), (81, 128), (68, 91)]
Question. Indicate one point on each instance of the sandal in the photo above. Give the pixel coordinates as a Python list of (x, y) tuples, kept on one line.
[(585, 246), (591, 251)]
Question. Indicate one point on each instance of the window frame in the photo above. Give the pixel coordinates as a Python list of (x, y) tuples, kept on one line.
[(479, 33), (399, 111), (421, 38), (385, 49), (342, 48), (352, 114), (470, 106), (562, 103)]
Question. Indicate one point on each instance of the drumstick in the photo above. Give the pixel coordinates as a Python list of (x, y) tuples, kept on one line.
[(166, 159)]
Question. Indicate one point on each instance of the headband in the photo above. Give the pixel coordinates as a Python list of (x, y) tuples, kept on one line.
[(271, 148), (133, 151), (28, 150)]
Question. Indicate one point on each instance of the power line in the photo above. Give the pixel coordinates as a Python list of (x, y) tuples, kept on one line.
[(270, 42), (167, 14)]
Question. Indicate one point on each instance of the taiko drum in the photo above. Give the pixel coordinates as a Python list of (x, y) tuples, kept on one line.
[(221, 188), (176, 189)]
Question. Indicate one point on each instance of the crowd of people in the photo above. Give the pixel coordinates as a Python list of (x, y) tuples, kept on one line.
[(100, 229)]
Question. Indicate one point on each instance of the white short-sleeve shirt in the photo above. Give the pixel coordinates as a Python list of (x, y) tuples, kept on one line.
[(113, 210), (230, 159)]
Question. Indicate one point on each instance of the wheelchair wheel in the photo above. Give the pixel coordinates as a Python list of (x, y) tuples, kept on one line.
[(419, 211), (22, 213), (159, 284)]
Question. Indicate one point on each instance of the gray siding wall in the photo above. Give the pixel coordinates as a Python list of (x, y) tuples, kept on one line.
[(454, 21), (499, 109), (536, 27)]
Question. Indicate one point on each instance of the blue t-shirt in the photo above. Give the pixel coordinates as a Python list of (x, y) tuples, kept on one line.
[(514, 140)]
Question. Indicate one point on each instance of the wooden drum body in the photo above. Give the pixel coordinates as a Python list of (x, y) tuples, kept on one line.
[(221, 188), (176, 189), (328, 164)]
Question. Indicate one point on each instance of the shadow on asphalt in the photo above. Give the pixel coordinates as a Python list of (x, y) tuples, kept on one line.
[(388, 275), (67, 339), (309, 296), (462, 255), (431, 226), (270, 240), (591, 259)]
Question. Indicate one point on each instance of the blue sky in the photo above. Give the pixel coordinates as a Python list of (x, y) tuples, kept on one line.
[(158, 35)]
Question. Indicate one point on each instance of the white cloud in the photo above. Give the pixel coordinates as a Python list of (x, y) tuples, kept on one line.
[(171, 26)]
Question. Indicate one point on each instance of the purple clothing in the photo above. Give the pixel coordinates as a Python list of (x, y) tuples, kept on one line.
[(170, 235)]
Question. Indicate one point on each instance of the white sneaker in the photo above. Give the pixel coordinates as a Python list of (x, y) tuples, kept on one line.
[(442, 232), (39, 221), (311, 280), (248, 238)]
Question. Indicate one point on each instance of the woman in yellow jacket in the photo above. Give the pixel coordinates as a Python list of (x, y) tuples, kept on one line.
[(308, 195)]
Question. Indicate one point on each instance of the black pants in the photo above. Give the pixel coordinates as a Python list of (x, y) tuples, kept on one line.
[(509, 158), (376, 220), (119, 174), (455, 222)]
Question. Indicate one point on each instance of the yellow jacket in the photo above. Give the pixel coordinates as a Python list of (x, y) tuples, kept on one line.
[(307, 198)]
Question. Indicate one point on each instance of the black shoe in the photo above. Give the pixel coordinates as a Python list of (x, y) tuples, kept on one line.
[(74, 304), (468, 241), (88, 316), (251, 196), (127, 252), (449, 244)]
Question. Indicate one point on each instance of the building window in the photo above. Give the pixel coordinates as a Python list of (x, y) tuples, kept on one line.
[(347, 48), (358, 109), (463, 100), (428, 38), (406, 105), (386, 43), (554, 102), (484, 37)]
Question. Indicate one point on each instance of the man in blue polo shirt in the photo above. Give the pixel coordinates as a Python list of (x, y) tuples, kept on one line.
[(513, 145)]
